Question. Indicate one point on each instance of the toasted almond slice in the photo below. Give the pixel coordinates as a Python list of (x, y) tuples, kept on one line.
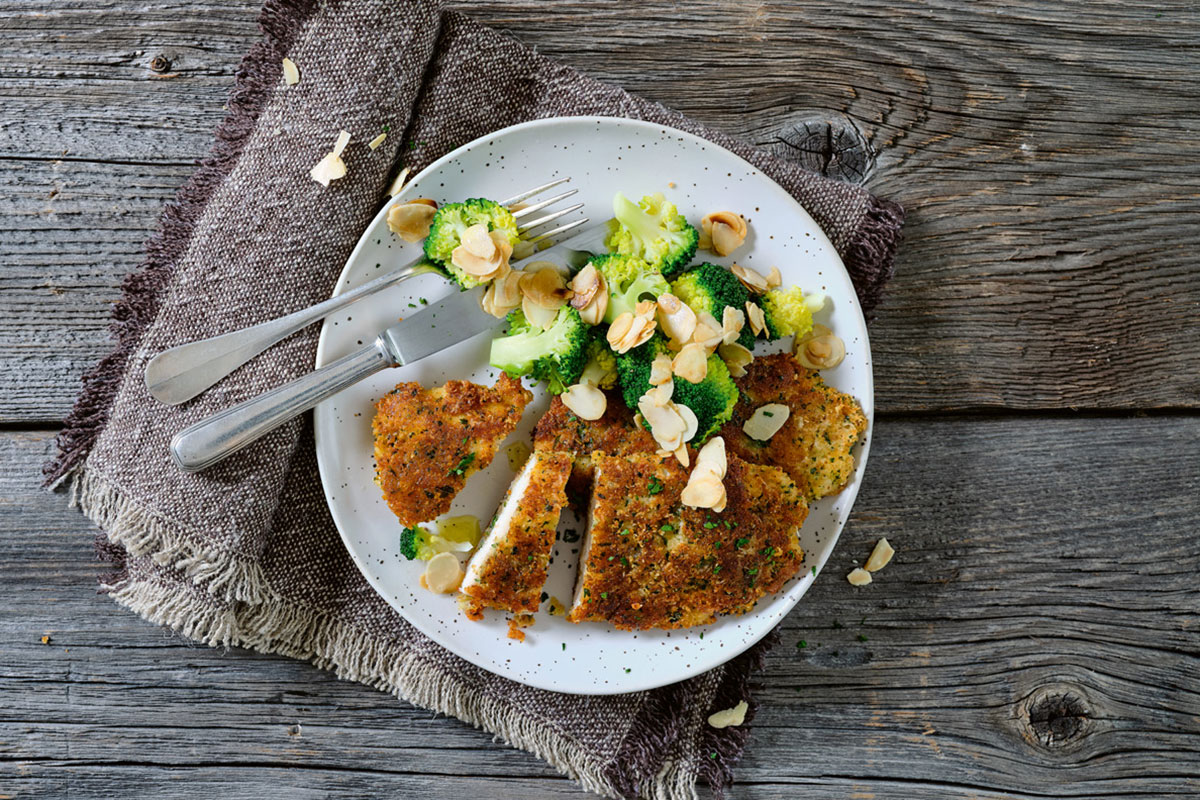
[(689, 419), (709, 332), (640, 332), (425, 201), (880, 556), (703, 491), (726, 230), (477, 241), (712, 457), (676, 318), (503, 294), (545, 287), (692, 363), (291, 73), (774, 278), (753, 281), (585, 286), (585, 400), (766, 421), (732, 322), (730, 717), (645, 308), (329, 168), (859, 577), (660, 369), (821, 352), (410, 221), (443, 573), (720, 504), (594, 313), (666, 425), (538, 316), (681, 454), (736, 357), (339, 145), (758, 320), (378, 140), (661, 394), (398, 184), (617, 330), (468, 262)]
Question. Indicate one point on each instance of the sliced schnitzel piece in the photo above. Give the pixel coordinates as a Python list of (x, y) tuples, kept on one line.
[(509, 568), (814, 445), (429, 441), (649, 562), (615, 433)]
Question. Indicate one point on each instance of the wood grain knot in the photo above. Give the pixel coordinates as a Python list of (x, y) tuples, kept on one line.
[(160, 63), (828, 143), (1057, 717)]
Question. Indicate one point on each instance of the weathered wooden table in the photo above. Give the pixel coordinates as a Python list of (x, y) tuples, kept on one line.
[(1037, 447)]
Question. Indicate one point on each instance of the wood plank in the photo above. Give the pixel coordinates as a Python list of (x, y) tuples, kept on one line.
[(1045, 156), (1034, 635)]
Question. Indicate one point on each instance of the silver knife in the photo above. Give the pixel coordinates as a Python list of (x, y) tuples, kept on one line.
[(447, 322)]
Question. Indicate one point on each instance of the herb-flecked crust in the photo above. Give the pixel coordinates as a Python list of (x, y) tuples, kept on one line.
[(510, 572), (653, 563), (429, 441), (814, 445)]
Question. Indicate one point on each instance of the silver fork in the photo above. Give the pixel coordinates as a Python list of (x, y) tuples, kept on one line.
[(177, 375)]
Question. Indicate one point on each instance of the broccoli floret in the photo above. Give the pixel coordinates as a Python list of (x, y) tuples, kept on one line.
[(445, 232), (601, 366), (555, 355), (415, 543), (711, 400), (628, 279), (709, 287), (653, 231), (789, 311)]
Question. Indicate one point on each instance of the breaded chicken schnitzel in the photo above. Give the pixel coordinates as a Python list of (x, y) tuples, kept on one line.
[(649, 562), (509, 568), (429, 441), (614, 433), (814, 445)]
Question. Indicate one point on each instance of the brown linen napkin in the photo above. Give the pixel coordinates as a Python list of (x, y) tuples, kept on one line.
[(245, 553)]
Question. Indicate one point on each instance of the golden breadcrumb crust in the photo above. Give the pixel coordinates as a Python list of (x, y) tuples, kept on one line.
[(814, 445), (429, 441), (653, 563), (509, 572), (614, 433)]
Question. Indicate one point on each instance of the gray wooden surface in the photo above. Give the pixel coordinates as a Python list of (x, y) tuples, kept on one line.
[(1036, 459)]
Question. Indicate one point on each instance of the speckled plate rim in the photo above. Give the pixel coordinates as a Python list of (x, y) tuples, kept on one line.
[(764, 618)]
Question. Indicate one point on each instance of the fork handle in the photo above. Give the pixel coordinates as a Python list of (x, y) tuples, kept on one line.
[(201, 445), (177, 375)]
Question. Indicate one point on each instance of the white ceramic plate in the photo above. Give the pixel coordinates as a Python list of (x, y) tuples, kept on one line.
[(602, 155)]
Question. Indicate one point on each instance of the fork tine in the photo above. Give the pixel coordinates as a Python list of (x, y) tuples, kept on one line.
[(560, 229), (523, 195), (527, 210), (548, 218)]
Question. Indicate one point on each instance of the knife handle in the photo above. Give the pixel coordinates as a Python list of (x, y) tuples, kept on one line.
[(201, 445)]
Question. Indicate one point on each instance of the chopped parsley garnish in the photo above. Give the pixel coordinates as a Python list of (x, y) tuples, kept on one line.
[(463, 464), (768, 413), (800, 645), (654, 487), (604, 595), (741, 543), (667, 527), (710, 525)]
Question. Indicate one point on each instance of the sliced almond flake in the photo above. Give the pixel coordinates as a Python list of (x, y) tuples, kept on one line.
[(410, 221), (398, 184), (766, 421), (774, 278), (712, 457), (689, 419), (329, 168), (661, 394), (758, 320), (750, 278), (681, 454), (586, 401), (443, 573), (378, 140), (859, 577), (703, 491), (291, 73), (660, 369), (730, 717), (880, 556), (821, 352), (736, 357), (692, 363), (477, 241), (732, 322), (676, 318), (343, 139)]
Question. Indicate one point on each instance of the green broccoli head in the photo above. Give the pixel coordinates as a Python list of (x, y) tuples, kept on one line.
[(711, 400), (709, 287), (415, 543), (628, 279), (445, 232), (789, 312), (653, 231), (555, 355), (601, 366)]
